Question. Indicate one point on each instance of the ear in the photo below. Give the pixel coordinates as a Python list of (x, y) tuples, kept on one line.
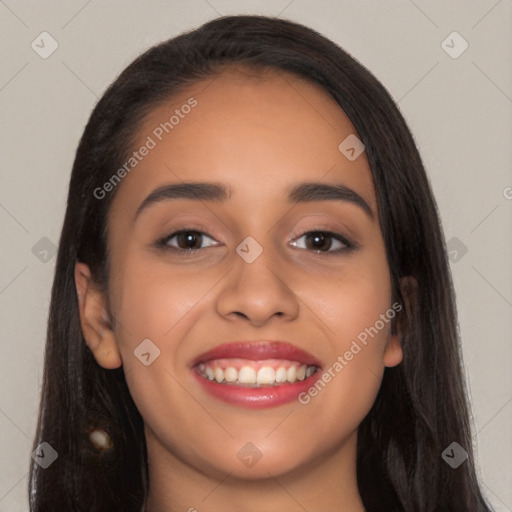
[(95, 319), (393, 352)]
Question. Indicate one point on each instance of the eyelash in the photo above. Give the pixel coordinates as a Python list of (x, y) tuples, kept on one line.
[(163, 243)]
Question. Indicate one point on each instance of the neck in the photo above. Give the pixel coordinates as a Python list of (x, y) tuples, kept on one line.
[(327, 483)]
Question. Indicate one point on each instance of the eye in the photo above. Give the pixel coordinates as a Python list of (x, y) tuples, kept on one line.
[(187, 240), (323, 241)]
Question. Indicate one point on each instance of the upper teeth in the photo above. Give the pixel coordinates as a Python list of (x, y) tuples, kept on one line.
[(251, 375)]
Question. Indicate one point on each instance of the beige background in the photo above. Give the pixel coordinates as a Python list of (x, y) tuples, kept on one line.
[(459, 110)]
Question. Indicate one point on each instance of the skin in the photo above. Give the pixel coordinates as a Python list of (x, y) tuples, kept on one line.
[(257, 133)]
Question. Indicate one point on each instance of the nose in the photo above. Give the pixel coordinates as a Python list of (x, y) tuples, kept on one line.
[(258, 291)]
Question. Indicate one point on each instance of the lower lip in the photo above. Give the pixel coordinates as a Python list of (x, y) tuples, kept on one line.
[(256, 398)]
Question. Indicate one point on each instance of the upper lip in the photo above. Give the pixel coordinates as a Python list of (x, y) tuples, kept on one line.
[(258, 350)]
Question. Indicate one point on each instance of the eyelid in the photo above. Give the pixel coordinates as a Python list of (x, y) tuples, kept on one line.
[(348, 243), (164, 241), (339, 231)]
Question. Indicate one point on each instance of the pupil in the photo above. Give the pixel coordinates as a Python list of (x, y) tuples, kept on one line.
[(319, 238), (189, 238)]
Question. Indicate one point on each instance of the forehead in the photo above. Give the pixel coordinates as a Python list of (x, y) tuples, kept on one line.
[(256, 130)]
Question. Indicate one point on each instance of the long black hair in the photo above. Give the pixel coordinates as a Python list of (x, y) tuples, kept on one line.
[(421, 407)]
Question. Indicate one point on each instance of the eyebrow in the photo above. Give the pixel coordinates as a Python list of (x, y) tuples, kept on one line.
[(300, 193)]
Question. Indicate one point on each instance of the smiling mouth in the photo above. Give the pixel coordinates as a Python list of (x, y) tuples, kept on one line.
[(255, 374)]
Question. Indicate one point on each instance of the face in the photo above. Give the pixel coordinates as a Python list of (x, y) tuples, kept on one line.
[(266, 310)]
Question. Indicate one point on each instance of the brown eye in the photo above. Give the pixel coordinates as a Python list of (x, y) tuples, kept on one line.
[(189, 240), (323, 241), (319, 240), (186, 240)]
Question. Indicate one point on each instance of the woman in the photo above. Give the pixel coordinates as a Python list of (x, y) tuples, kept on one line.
[(252, 306)]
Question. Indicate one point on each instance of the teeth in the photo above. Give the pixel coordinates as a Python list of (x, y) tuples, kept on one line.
[(230, 374), (281, 375), (291, 374), (247, 375), (301, 372), (265, 376), (219, 375)]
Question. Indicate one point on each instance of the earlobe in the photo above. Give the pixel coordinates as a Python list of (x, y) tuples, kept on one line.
[(393, 353), (95, 319)]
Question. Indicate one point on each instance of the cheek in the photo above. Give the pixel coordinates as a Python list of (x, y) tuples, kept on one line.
[(352, 303), (356, 307), (157, 306), (153, 309), (352, 376), (159, 302), (153, 300)]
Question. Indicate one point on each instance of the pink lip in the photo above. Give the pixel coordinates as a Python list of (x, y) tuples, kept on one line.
[(265, 396), (258, 350), (256, 398)]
